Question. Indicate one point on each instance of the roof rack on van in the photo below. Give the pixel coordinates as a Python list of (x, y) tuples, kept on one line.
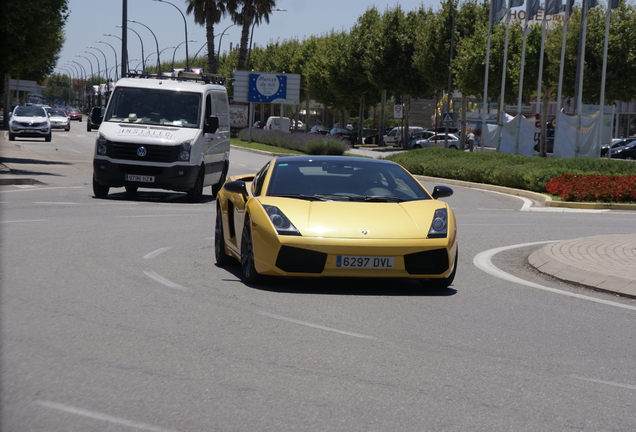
[(182, 76)]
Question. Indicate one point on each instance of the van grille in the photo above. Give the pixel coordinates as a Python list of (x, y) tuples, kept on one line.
[(154, 153)]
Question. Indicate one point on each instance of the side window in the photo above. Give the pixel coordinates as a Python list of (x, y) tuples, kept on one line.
[(221, 110), (259, 179)]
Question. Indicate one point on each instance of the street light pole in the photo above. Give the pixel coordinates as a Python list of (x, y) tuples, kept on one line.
[(185, 23), (175, 52), (143, 66), (247, 63), (156, 42), (114, 51), (105, 64), (218, 52), (91, 92)]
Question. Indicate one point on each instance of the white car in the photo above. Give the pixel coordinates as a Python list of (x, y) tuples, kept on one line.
[(59, 119), (394, 137), (29, 122), (437, 140)]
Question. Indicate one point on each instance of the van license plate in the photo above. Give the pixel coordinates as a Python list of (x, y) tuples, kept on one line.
[(140, 178), (365, 262)]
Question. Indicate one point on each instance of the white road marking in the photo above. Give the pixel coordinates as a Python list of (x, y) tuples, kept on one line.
[(53, 202), (164, 281), (157, 252), (612, 383), (26, 220), (316, 326), (102, 417), (23, 188), (528, 206), (483, 261), (155, 216)]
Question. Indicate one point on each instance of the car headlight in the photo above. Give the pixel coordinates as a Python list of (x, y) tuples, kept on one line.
[(439, 226), (184, 151), (279, 220), (102, 145)]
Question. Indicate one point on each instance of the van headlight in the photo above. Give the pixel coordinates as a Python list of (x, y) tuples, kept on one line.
[(184, 151), (102, 145)]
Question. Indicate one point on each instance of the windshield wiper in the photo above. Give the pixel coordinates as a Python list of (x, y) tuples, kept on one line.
[(382, 198), (300, 196)]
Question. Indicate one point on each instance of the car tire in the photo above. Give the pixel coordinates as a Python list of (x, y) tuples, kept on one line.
[(99, 190), (217, 187), (247, 254), (47, 138), (11, 137), (452, 147), (68, 128), (88, 127), (80, 120), (222, 258), (444, 282), (629, 158), (195, 195)]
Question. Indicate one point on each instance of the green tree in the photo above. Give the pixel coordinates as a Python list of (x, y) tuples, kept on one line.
[(248, 14), (58, 88), (209, 13), (32, 37)]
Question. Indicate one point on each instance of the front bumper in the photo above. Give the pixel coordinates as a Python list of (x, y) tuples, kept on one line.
[(177, 177)]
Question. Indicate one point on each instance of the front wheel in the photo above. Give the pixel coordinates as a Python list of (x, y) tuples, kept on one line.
[(88, 127), (11, 137), (68, 128), (99, 190), (48, 137), (247, 254), (222, 258), (195, 195)]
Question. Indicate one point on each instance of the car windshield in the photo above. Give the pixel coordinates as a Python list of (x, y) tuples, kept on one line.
[(74, 111), (30, 111), (154, 107), (338, 180), (55, 113)]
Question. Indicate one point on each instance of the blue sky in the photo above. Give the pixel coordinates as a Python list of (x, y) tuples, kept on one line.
[(89, 20)]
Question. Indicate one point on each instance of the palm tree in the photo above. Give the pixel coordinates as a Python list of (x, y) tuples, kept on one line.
[(209, 13), (252, 12)]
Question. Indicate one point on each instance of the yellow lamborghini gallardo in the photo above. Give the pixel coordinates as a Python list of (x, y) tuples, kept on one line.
[(336, 216)]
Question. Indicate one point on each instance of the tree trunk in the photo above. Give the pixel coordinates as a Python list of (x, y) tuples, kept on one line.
[(245, 33), (209, 36)]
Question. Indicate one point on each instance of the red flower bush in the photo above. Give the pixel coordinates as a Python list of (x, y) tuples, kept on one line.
[(594, 188)]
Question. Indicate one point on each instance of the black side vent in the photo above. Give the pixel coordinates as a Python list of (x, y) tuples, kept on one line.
[(432, 262), (297, 260)]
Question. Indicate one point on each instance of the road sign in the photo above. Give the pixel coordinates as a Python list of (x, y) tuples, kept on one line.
[(447, 117), (397, 111)]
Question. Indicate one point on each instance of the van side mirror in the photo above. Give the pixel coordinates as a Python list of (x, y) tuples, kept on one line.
[(211, 125)]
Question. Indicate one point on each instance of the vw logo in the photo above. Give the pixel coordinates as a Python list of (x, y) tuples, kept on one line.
[(141, 152)]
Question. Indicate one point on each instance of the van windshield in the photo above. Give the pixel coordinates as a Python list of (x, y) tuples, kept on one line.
[(154, 107)]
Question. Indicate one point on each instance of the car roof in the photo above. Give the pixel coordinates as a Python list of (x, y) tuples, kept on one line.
[(328, 158)]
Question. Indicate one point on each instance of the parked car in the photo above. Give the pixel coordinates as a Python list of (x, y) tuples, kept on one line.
[(319, 129), (75, 114), (382, 223), (437, 140), (30, 122), (627, 152), (59, 119), (375, 138), (345, 134), (301, 126), (96, 113), (419, 136), (615, 144)]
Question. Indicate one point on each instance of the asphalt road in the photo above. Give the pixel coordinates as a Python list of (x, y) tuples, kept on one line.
[(116, 318)]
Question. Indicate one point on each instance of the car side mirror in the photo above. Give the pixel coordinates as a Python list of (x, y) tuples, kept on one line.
[(237, 186), (441, 192), (211, 125)]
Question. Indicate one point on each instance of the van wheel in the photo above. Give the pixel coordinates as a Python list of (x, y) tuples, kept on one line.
[(196, 193), (217, 187), (99, 190)]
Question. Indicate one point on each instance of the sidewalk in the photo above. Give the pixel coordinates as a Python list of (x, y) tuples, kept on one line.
[(602, 262)]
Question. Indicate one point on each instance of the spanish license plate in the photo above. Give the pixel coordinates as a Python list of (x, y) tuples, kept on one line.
[(365, 262), (140, 178)]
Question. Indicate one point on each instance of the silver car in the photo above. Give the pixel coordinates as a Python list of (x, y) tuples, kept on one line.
[(437, 140), (29, 122)]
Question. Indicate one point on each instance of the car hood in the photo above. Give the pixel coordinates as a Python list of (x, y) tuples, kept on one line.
[(371, 220)]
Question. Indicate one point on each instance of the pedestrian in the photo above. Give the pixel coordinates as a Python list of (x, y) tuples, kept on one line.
[(470, 139)]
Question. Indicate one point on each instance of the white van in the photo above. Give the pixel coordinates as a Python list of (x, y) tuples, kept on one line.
[(282, 124), (394, 137), (164, 133)]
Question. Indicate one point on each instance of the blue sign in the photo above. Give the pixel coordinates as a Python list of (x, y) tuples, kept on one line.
[(267, 88), (447, 117)]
